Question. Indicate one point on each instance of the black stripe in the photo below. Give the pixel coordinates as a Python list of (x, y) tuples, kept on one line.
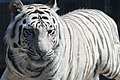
[(15, 45), (35, 76), (47, 12), (11, 58), (70, 40), (109, 74), (92, 16), (53, 68), (100, 53), (34, 17), (20, 31), (108, 71), (14, 27), (108, 57), (42, 69), (32, 23), (69, 74), (95, 70), (43, 8), (37, 25), (116, 75), (36, 11), (44, 17)]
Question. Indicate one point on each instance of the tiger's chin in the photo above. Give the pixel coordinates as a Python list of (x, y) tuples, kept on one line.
[(42, 61), (38, 63), (26, 64)]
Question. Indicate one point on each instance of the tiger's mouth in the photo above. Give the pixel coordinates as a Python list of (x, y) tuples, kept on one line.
[(40, 56)]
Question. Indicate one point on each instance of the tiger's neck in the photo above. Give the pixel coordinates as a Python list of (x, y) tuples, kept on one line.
[(8, 75), (47, 71)]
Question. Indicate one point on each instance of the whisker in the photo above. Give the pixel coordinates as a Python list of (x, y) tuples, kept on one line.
[(17, 56), (20, 60)]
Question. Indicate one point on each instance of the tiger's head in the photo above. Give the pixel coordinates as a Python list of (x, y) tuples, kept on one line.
[(32, 36)]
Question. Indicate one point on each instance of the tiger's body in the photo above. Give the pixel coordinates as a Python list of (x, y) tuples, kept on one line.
[(79, 45)]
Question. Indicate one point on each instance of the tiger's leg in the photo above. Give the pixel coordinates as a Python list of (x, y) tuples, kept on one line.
[(117, 77), (5, 75), (110, 67), (96, 77)]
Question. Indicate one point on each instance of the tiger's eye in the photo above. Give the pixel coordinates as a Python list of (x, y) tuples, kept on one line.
[(49, 31), (50, 26), (24, 21)]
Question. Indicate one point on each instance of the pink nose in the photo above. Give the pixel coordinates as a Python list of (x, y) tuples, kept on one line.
[(43, 47)]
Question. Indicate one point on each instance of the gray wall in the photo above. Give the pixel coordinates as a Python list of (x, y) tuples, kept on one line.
[(4, 20)]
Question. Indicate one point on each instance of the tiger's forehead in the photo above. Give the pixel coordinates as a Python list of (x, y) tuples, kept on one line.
[(36, 14), (34, 10), (33, 7), (37, 11)]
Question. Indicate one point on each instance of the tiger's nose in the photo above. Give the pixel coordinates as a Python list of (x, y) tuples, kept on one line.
[(44, 45)]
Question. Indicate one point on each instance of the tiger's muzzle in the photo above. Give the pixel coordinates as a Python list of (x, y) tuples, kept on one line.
[(41, 50)]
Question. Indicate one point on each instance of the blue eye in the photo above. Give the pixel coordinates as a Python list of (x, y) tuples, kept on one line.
[(28, 32), (50, 31)]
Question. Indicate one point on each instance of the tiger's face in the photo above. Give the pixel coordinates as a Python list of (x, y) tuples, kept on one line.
[(38, 31), (32, 36)]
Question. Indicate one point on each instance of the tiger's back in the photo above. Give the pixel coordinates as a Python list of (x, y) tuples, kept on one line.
[(94, 40)]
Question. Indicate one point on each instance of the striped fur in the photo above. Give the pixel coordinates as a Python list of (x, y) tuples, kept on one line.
[(79, 45)]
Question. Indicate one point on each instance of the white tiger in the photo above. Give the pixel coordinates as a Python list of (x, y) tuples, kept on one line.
[(42, 45)]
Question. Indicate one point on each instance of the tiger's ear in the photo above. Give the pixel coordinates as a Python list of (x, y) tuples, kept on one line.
[(53, 4), (15, 7)]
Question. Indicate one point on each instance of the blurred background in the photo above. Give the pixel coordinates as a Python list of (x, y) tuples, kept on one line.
[(111, 7)]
